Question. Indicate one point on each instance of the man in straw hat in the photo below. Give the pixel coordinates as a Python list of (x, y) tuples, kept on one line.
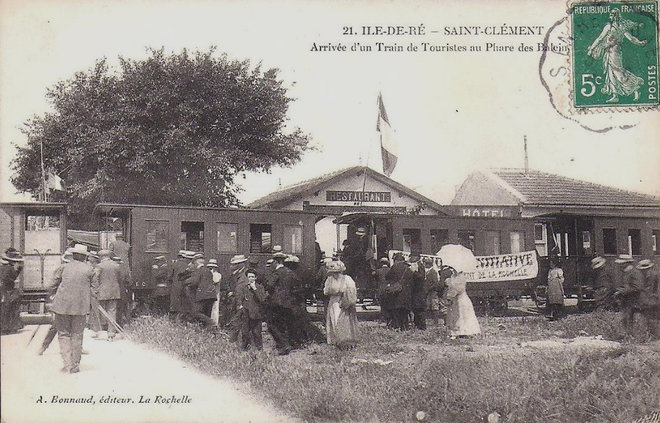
[(649, 299), (238, 279), (628, 295), (107, 289), (71, 304), (280, 304), (603, 284), (12, 265)]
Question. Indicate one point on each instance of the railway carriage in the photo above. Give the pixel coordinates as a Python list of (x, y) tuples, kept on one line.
[(38, 231), (216, 232)]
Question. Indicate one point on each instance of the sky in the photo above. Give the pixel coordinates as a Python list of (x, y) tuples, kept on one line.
[(452, 112)]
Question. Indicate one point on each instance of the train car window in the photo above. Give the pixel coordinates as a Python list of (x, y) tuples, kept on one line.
[(412, 240), (634, 242), (226, 237), (192, 236), (517, 241), (609, 241), (292, 239), (466, 239), (654, 241), (586, 243), (492, 246), (439, 237), (42, 232), (541, 239), (158, 232), (260, 238)]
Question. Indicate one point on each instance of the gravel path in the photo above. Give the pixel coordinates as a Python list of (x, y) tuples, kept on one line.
[(120, 381)]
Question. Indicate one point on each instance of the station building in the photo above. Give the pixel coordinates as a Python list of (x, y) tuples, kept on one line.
[(574, 219), (350, 190)]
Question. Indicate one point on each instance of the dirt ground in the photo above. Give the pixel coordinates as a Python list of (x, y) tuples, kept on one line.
[(123, 382)]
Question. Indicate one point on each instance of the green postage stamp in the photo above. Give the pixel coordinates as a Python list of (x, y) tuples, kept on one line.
[(615, 54)]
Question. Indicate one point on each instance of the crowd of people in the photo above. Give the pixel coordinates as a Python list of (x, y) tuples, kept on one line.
[(630, 286), (91, 289)]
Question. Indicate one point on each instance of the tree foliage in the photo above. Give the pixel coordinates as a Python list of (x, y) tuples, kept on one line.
[(167, 129)]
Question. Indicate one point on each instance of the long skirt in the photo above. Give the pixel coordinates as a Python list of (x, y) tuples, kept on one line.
[(341, 324), (461, 319)]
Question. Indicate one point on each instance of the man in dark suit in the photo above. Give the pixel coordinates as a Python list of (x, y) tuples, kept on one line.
[(251, 299), (281, 305), (403, 275), (203, 289), (71, 304), (238, 267), (107, 287), (12, 265), (180, 272)]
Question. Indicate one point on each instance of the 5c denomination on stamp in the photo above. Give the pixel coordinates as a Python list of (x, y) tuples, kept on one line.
[(615, 54)]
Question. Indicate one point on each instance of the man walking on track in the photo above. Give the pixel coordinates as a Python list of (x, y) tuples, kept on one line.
[(71, 304)]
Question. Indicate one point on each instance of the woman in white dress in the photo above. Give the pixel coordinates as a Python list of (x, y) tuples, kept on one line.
[(461, 319), (341, 317)]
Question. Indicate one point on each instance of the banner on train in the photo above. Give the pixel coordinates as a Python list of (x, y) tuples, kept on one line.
[(503, 267)]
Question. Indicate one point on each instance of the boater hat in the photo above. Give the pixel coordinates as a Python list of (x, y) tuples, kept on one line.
[(12, 255), (360, 231), (644, 264), (237, 259), (624, 258), (598, 262), (79, 249), (212, 263)]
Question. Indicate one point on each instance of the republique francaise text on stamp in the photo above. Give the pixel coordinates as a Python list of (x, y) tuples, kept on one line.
[(615, 54)]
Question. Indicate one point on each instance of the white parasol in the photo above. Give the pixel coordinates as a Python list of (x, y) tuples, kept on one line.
[(457, 256)]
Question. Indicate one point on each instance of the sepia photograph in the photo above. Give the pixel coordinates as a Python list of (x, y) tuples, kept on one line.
[(329, 211)]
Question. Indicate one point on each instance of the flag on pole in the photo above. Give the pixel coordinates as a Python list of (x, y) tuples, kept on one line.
[(388, 146), (54, 182)]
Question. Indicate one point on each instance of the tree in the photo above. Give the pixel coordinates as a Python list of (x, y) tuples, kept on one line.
[(168, 129)]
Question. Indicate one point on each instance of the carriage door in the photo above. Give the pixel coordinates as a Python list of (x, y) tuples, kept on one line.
[(192, 236), (383, 237), (43, 248)]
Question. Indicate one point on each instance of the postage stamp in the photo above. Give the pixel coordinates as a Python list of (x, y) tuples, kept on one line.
[(615, 54)]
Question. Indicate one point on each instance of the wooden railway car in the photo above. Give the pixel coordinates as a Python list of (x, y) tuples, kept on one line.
[(218, 233), (577, 239), (484, 236), (38, 231)]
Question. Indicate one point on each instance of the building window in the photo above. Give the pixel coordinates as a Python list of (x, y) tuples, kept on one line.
[(654, 241), (634, 242), (192, 236), (227, 237), (609, 241), (412, 240), (439, 237), (260, 238), (158, 232), (492, 243), (541, 239), (42, 233), (517, 241), (292, 239), (586, 243), (466, 239)]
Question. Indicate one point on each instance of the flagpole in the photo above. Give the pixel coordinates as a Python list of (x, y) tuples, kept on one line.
[(43, 171)]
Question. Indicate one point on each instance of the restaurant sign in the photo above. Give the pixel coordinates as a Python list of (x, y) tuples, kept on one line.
[(359, 196)]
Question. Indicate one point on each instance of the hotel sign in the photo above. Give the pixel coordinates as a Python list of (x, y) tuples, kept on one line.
[(359, 196)]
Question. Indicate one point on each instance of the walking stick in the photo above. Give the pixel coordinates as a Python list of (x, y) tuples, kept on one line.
[(111, 320)]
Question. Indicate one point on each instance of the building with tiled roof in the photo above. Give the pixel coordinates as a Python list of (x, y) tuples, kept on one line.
[(574, 220), (536, 193), (350, 190)]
